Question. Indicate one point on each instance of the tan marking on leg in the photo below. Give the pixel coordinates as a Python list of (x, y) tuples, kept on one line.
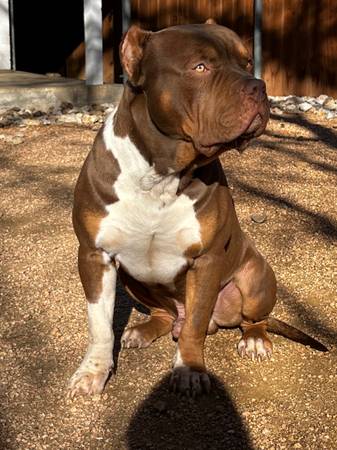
[(255, 343)]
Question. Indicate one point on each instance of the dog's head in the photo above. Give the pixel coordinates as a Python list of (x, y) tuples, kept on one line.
[(198, 84)]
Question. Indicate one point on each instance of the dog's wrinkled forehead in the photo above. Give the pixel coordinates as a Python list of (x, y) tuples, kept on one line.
[(193, 43), (143, 52)]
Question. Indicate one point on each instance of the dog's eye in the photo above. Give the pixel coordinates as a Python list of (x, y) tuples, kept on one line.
[(200, 68)]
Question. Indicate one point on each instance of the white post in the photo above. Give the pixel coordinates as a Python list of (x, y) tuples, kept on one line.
[(93, 41), (5, 43), (258, 6)]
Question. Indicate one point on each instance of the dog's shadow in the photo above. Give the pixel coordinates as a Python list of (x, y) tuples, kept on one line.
[(166, 421), (123, 308)]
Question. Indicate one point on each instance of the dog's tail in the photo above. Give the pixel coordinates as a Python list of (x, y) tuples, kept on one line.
[(283, 329)]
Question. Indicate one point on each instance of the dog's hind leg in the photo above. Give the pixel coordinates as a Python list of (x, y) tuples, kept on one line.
[(162, 310), (142, 335), (256, 281)]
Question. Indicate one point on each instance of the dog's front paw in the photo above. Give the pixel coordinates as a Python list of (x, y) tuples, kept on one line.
[(255, 348), (189, 382), (87, 383), (91, 376)]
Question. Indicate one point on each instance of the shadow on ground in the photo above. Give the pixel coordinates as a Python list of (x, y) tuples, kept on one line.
[(123, 308), (166, 421), (315, 323), (323, 134)]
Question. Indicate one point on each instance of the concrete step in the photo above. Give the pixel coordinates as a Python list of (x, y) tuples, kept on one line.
[(42, 92)]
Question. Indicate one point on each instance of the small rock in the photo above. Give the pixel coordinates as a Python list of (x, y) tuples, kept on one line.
[(45, 121), (321, 99), (38, 114), (89, 119), (68, 118), (330, 104), (331, 115), (290, 107), (258, 218), (66, 106), (31, 122), (305, 106)]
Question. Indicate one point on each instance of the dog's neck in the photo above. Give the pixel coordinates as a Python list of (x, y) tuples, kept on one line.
[(165, 153)]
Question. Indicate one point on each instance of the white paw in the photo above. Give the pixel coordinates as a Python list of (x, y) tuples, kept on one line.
[(90, 377), (255, 348), (189, 382), (87, 383)]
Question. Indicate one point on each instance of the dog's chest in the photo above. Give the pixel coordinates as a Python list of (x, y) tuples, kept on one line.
[(149, 228)]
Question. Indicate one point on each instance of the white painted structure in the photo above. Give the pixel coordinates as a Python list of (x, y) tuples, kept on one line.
[(93, 41), (93, 26), (5, 43)]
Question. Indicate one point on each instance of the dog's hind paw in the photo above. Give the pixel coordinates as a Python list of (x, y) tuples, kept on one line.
[(134, 338), (255, 348)]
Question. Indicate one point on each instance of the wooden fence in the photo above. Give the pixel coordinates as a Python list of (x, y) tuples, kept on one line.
[(299, 37), (299, 41)]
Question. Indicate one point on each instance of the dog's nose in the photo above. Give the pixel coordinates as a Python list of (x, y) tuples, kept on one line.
[(255, 89)]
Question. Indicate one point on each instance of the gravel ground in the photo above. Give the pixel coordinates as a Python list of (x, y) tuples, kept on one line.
[(289, 178)]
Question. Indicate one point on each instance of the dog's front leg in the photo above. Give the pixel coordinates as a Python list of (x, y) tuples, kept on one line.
[(98, 276), (202, 287)]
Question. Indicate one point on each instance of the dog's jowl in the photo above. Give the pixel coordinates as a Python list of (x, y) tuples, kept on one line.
[(152, 204)]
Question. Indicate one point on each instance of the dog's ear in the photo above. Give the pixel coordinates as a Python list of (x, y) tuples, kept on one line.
[(211, 21), (131, 51)]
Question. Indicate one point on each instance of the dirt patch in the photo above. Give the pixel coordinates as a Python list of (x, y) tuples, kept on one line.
[(289, 177)]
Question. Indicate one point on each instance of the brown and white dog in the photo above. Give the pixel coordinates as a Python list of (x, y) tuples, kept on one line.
[(152, 204)]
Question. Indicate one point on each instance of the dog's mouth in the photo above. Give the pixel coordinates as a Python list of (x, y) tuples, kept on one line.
[(254, 129), (255, 125)]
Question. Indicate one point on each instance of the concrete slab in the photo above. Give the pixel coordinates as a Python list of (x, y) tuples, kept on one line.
[(42, 92)]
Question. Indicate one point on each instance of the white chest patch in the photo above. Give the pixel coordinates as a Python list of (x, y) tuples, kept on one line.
[(149, 228)]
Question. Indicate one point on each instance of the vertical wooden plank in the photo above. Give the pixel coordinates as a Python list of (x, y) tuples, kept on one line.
[(146, 13), (157, 14), (326, 51)]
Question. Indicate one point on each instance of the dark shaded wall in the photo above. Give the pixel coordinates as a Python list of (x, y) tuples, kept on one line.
[(46, 33)]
